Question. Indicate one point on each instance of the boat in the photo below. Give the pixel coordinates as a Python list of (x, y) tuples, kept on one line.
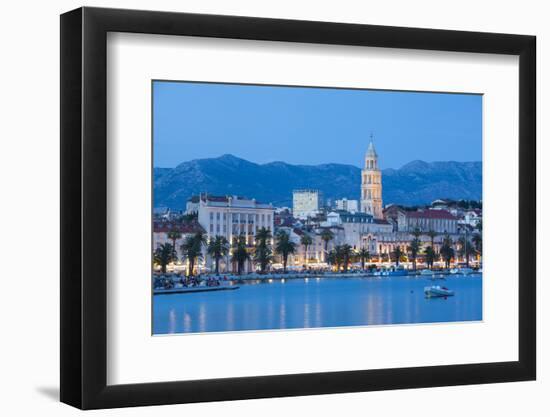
[(466, 271), (437, 291), (427, 272), (454, 271)]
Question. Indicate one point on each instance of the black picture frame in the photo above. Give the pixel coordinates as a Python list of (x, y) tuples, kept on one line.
[(84, 207)]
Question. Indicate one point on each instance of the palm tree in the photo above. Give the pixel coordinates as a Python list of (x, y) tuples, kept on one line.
[(240, 254), (447, 251), (217, 249), (397, 253), (478, 243), (465, 248), (337, 257), (345, 252), (163, 256), (332, 259), (191, 249), (262, 252), (326, 236), (415, 246), (430, 256), (364, 256), (284, 246), (432, 234), (306, 241), (174, 235)]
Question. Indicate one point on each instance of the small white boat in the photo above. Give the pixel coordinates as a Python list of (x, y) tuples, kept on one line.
[(427, 272), (454, 271), (466, 271), (437, 291)]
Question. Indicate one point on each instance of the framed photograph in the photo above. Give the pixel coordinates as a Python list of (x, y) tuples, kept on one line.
[(259, 208)]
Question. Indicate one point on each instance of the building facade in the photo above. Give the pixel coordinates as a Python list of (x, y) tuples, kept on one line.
[(440, 221), (371, 185), (306, 203), (348, 205), (231, 216)]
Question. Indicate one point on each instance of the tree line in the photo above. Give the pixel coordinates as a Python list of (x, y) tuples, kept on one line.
[(341, 256), (219, 247)]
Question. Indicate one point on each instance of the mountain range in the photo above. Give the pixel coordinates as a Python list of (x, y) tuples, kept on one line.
[(415, 183)]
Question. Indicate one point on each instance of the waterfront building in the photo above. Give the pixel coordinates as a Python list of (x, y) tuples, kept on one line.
[(359, 230), (347, 205), (314, 253), (338, 238), (371, 185), (362, 230), (231, 216), (306, 203), (440, 221), (185, 229)]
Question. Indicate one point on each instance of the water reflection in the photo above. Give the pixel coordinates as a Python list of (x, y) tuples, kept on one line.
[(172, 321), (317, 303)]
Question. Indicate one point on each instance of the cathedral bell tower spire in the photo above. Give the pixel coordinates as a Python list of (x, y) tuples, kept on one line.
[(371, 183)]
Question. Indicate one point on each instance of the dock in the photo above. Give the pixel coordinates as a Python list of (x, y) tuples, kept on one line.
[(187, 290)]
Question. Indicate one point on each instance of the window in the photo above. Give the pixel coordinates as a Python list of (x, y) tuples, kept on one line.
[(218, 216), (211, 216)]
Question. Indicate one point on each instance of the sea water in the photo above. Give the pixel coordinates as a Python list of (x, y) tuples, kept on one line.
[(318, 302)]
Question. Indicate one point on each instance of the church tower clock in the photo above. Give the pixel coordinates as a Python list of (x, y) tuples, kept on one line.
[(371, 184)]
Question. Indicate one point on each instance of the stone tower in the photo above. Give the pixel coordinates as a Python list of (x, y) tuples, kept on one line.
[(371, 184)]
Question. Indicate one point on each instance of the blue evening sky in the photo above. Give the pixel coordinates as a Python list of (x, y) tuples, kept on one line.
[(312, 125)]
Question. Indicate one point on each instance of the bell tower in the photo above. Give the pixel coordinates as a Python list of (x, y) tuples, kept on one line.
[(371, 184)]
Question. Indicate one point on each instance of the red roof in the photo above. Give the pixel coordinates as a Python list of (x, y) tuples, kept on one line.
[(431, 214), (184, 228)]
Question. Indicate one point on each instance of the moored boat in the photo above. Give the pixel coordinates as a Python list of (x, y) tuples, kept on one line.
[(437, 291)]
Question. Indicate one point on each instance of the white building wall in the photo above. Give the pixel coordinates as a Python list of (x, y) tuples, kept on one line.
[(233, 218), (306, 203), (348, 205)]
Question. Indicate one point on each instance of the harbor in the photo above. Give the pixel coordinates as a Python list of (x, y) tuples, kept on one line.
[(313, 302)]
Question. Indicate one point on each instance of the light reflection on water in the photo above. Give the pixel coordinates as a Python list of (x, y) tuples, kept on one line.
[(318, 303)]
